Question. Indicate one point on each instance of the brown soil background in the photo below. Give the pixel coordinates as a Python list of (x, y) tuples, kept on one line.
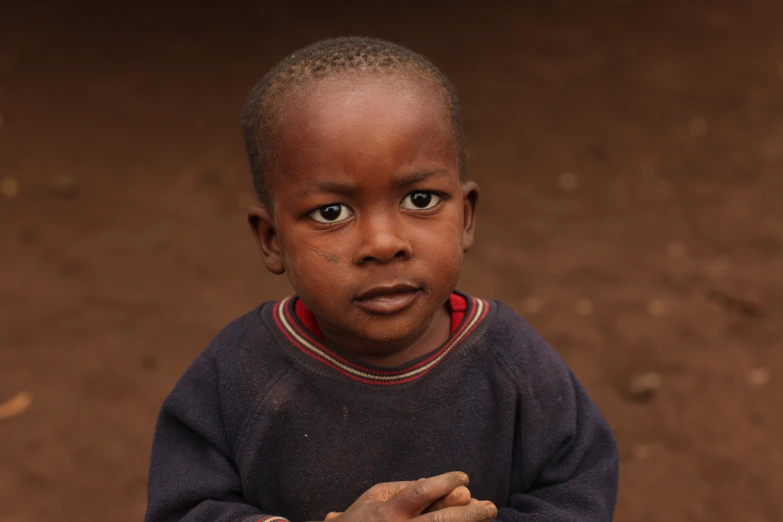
[(669, 114)]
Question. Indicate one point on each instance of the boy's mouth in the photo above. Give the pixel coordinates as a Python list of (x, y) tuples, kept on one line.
[(388, 299)]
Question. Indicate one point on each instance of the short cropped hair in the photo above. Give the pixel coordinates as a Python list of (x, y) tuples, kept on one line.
[(330, 58)]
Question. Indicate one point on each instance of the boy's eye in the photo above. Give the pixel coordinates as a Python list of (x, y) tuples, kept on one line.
[(420, 200), (331, 213)]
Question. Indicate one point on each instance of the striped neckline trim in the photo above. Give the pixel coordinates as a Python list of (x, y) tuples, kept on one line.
[(298, 336)]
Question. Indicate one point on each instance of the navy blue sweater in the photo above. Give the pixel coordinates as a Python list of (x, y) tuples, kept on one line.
[(269, 424)]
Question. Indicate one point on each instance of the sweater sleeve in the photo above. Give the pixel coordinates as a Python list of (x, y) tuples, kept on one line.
[(569, 455), (192, 474)]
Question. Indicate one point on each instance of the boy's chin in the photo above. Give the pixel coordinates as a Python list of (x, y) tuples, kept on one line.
[(388, 336), (377, 335)]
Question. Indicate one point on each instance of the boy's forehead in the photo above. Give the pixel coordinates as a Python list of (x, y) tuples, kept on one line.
[(372, 100), (370, 119)]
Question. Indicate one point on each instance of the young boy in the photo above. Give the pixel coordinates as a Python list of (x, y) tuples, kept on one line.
[(335, 402)]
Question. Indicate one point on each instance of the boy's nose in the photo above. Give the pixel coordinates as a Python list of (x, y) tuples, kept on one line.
[(383, 240)]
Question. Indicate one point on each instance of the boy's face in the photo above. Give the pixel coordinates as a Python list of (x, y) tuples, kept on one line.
[(369, 218)]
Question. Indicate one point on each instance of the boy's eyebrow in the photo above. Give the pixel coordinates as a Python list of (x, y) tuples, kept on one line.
[(336, 187), (410, 178)]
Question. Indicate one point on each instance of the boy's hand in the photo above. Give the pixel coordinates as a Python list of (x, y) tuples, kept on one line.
[(458, 497), (419, 500)]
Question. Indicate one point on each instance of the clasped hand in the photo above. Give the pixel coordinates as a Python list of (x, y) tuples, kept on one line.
[(444, 498)]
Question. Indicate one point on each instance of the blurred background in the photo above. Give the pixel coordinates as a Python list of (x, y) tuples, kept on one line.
[(631, 160)]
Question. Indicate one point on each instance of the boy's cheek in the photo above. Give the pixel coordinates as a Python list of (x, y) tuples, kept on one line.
[(445, 239), (304, 254), (319, 256), (316, 270)]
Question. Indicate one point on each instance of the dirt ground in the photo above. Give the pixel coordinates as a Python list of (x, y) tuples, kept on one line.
[(631, 159)]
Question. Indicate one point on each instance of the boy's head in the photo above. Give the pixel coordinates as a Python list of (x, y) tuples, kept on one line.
[(347, 58), (357, 157)]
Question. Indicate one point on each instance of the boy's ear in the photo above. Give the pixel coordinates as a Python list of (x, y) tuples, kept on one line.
[(470, 196), (263, 227)]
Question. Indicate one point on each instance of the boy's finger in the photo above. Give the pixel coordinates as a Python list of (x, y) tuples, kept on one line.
[(472, 512), (333, 514), (416, 497), (386, 490), (459, 497)]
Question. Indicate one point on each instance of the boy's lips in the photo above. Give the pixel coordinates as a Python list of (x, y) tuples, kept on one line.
[(388, 299)]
